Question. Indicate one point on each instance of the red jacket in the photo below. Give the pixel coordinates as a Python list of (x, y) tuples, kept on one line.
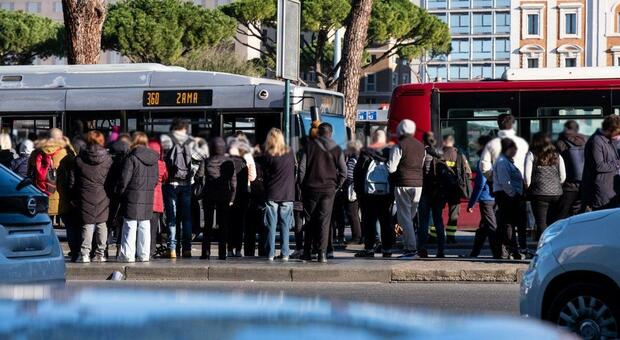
[(158, 201)]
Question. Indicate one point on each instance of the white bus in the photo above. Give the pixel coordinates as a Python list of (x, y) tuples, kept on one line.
[(146, 97)]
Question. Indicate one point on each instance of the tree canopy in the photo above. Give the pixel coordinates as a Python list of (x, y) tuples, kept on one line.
[(163, 31), (407, 30), (24, 37), (220, 58)]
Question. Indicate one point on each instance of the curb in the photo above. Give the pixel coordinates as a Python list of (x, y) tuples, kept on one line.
[(310, 273)]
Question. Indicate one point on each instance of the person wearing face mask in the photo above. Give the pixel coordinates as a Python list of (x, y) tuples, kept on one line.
[(601, 167)]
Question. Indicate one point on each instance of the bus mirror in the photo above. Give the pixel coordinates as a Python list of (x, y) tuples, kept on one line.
[(315, 113)]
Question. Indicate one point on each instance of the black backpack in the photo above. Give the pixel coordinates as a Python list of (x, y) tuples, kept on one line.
[(454, 182), (179, 160), (575, 160)]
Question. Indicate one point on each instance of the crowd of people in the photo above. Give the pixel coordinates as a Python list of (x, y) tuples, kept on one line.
[(139, 190)]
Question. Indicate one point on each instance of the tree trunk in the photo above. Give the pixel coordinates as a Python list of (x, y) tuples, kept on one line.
[(321, 40), (352, 54), (84, 24)]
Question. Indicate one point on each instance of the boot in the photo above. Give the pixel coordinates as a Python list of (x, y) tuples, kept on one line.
[(322, 257)]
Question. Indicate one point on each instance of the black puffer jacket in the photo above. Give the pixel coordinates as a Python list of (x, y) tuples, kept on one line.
[(92, 167), (218, 173), (137, 184)]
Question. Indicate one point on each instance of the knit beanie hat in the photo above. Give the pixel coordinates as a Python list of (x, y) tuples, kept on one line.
[(405, 128)]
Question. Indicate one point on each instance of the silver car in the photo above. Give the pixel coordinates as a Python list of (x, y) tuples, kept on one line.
[(29, 249), (574, 279)]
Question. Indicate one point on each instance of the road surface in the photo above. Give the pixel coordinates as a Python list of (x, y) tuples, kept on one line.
[(457, 298)]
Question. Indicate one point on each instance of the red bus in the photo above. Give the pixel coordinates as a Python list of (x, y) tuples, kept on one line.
[(540, 100)]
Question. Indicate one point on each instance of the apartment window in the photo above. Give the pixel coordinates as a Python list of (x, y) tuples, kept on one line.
[(482, 49), (33, 7), (442, 16), (483, 23), (502, 23), (502, 3), (532, 62), (371, 82), (459, 3), (394, 78), (570, 23), (9, 6), (437, 72), (502, 49), (57, 7), (570, 62), (437, 4), (500, 69), (459, 72), (460, 50), (459, 23), (533, 24), (570, 20), (483, 3), (482, 71)]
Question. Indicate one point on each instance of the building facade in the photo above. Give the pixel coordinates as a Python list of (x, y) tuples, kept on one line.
[(565, 33), (480, 32)]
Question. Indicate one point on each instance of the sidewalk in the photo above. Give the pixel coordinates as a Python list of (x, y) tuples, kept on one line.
[(344, 268)]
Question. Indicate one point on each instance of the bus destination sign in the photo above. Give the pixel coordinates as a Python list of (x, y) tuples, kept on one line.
[(156, 98)]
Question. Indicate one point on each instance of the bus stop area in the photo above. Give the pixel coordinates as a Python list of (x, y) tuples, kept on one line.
[(343, 268)]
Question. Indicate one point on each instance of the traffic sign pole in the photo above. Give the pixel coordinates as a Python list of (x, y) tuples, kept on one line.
[(287, 111)]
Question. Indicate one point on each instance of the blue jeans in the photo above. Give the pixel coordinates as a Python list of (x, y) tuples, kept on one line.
[(425, 210), (278, 214), (177, 201)]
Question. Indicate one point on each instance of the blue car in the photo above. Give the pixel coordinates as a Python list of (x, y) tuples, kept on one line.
[(29, 249)]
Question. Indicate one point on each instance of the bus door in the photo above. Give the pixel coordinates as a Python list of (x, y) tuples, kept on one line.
[(468, 116), (202, 123), (255, 126), (20, 126)]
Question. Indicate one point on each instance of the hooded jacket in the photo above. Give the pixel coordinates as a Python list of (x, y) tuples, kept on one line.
[(119, 151), (322, 167), (92, 167), (602, 164), (367, 155), (20, 165), (137, 185), (158, 198), (63, 158), (565, 139), (218, 174)]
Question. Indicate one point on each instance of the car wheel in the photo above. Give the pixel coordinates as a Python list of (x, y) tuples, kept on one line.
[(589, 310)]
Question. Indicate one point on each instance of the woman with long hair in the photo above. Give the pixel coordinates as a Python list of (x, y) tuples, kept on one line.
[(137, 189), (279, 179), (544, 175)]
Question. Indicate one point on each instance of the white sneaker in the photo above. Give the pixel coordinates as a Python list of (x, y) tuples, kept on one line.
[(284, 258), (83, 259), (271, 259)]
